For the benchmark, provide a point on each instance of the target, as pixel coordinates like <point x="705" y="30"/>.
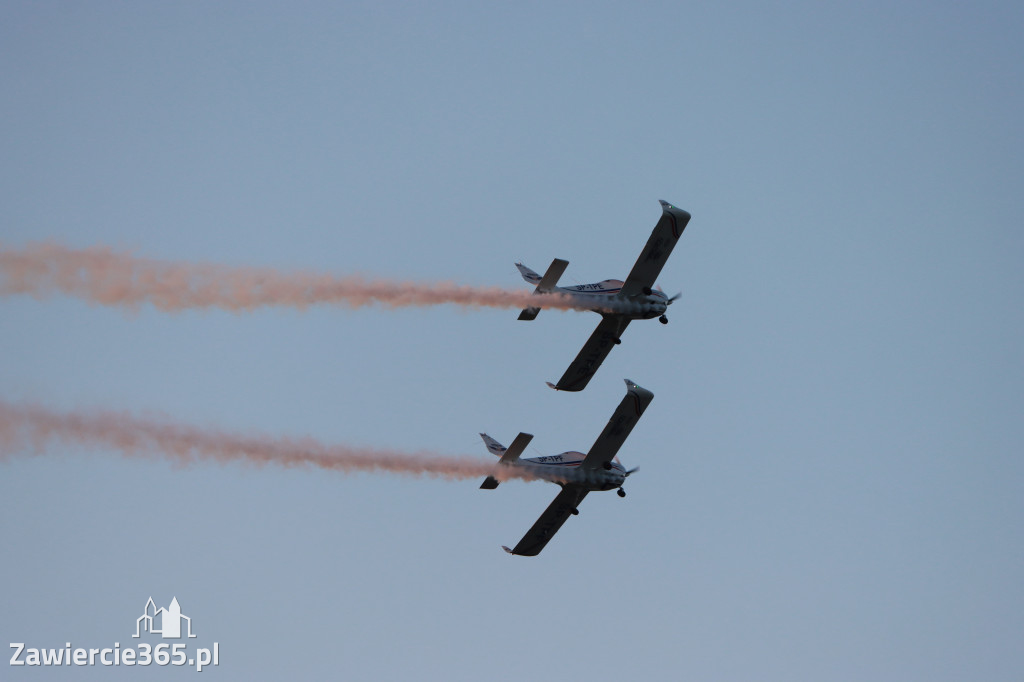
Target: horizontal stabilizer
<point x="550" y="278"/>
<point x="517" y="448"/>
<point x="546" y="285"/>
<point x="506" y="549"/>
<point x="508" y="455"/>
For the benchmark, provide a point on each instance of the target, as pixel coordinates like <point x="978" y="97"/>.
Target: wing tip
<point x="640" y="391"/>
<point x="667" y="207"/>
<point x="573" y="387"/>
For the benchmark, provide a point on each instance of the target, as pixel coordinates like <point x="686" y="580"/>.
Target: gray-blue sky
<point x="830" y="482"/>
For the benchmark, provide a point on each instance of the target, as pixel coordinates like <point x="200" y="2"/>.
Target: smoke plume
<point x="106" y="277"/>
<point x="34" y="429"/>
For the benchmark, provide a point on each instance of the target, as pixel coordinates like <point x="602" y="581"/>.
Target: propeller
<point x="631" y="471"/>
<point x="669" y="302"/>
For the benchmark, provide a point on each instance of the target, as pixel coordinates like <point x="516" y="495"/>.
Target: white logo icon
<point x="169" y="620"/>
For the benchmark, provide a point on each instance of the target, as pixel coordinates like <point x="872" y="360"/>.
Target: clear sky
<point x="831" y="484"/>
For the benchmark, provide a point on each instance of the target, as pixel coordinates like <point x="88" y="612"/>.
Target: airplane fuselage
<point x="606" y="295"/>
<point x="565" y="469"/>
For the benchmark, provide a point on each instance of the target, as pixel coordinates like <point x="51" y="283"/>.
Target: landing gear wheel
<point x="575" y="512"/>
<point x="618" y="341"/>
<point x="621" y="492"/>
<point x="607" y="466"/>
<point x="663" y="319"/>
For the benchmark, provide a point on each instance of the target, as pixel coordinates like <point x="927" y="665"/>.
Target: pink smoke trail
<point x="31" y="428"/>
<point x="101" y="275"/>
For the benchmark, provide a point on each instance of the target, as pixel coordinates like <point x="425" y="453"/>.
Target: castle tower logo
<point x="163" y="622"/>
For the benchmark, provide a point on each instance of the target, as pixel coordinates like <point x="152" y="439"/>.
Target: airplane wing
<point x="593" y="353"/>
<point x="550" y="521"/>
<point x="625" y="417"/>
<point x="652" y="259"/>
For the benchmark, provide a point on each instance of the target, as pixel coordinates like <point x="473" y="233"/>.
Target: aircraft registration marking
<point x="550" y="458"/>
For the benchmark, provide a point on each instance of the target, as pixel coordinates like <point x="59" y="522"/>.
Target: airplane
<point x="578" y="474"/>
<point x="633" y="299"/>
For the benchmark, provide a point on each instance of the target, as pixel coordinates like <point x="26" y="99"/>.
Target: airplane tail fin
<point x="508" y="455"/>
<point x="493" y="446"/>
<point x="544" y="284"/>
<point x="529" y="275"/>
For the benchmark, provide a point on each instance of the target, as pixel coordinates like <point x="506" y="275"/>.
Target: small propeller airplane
<point x="634" y="298"/>
<point x="578" y="474"/>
